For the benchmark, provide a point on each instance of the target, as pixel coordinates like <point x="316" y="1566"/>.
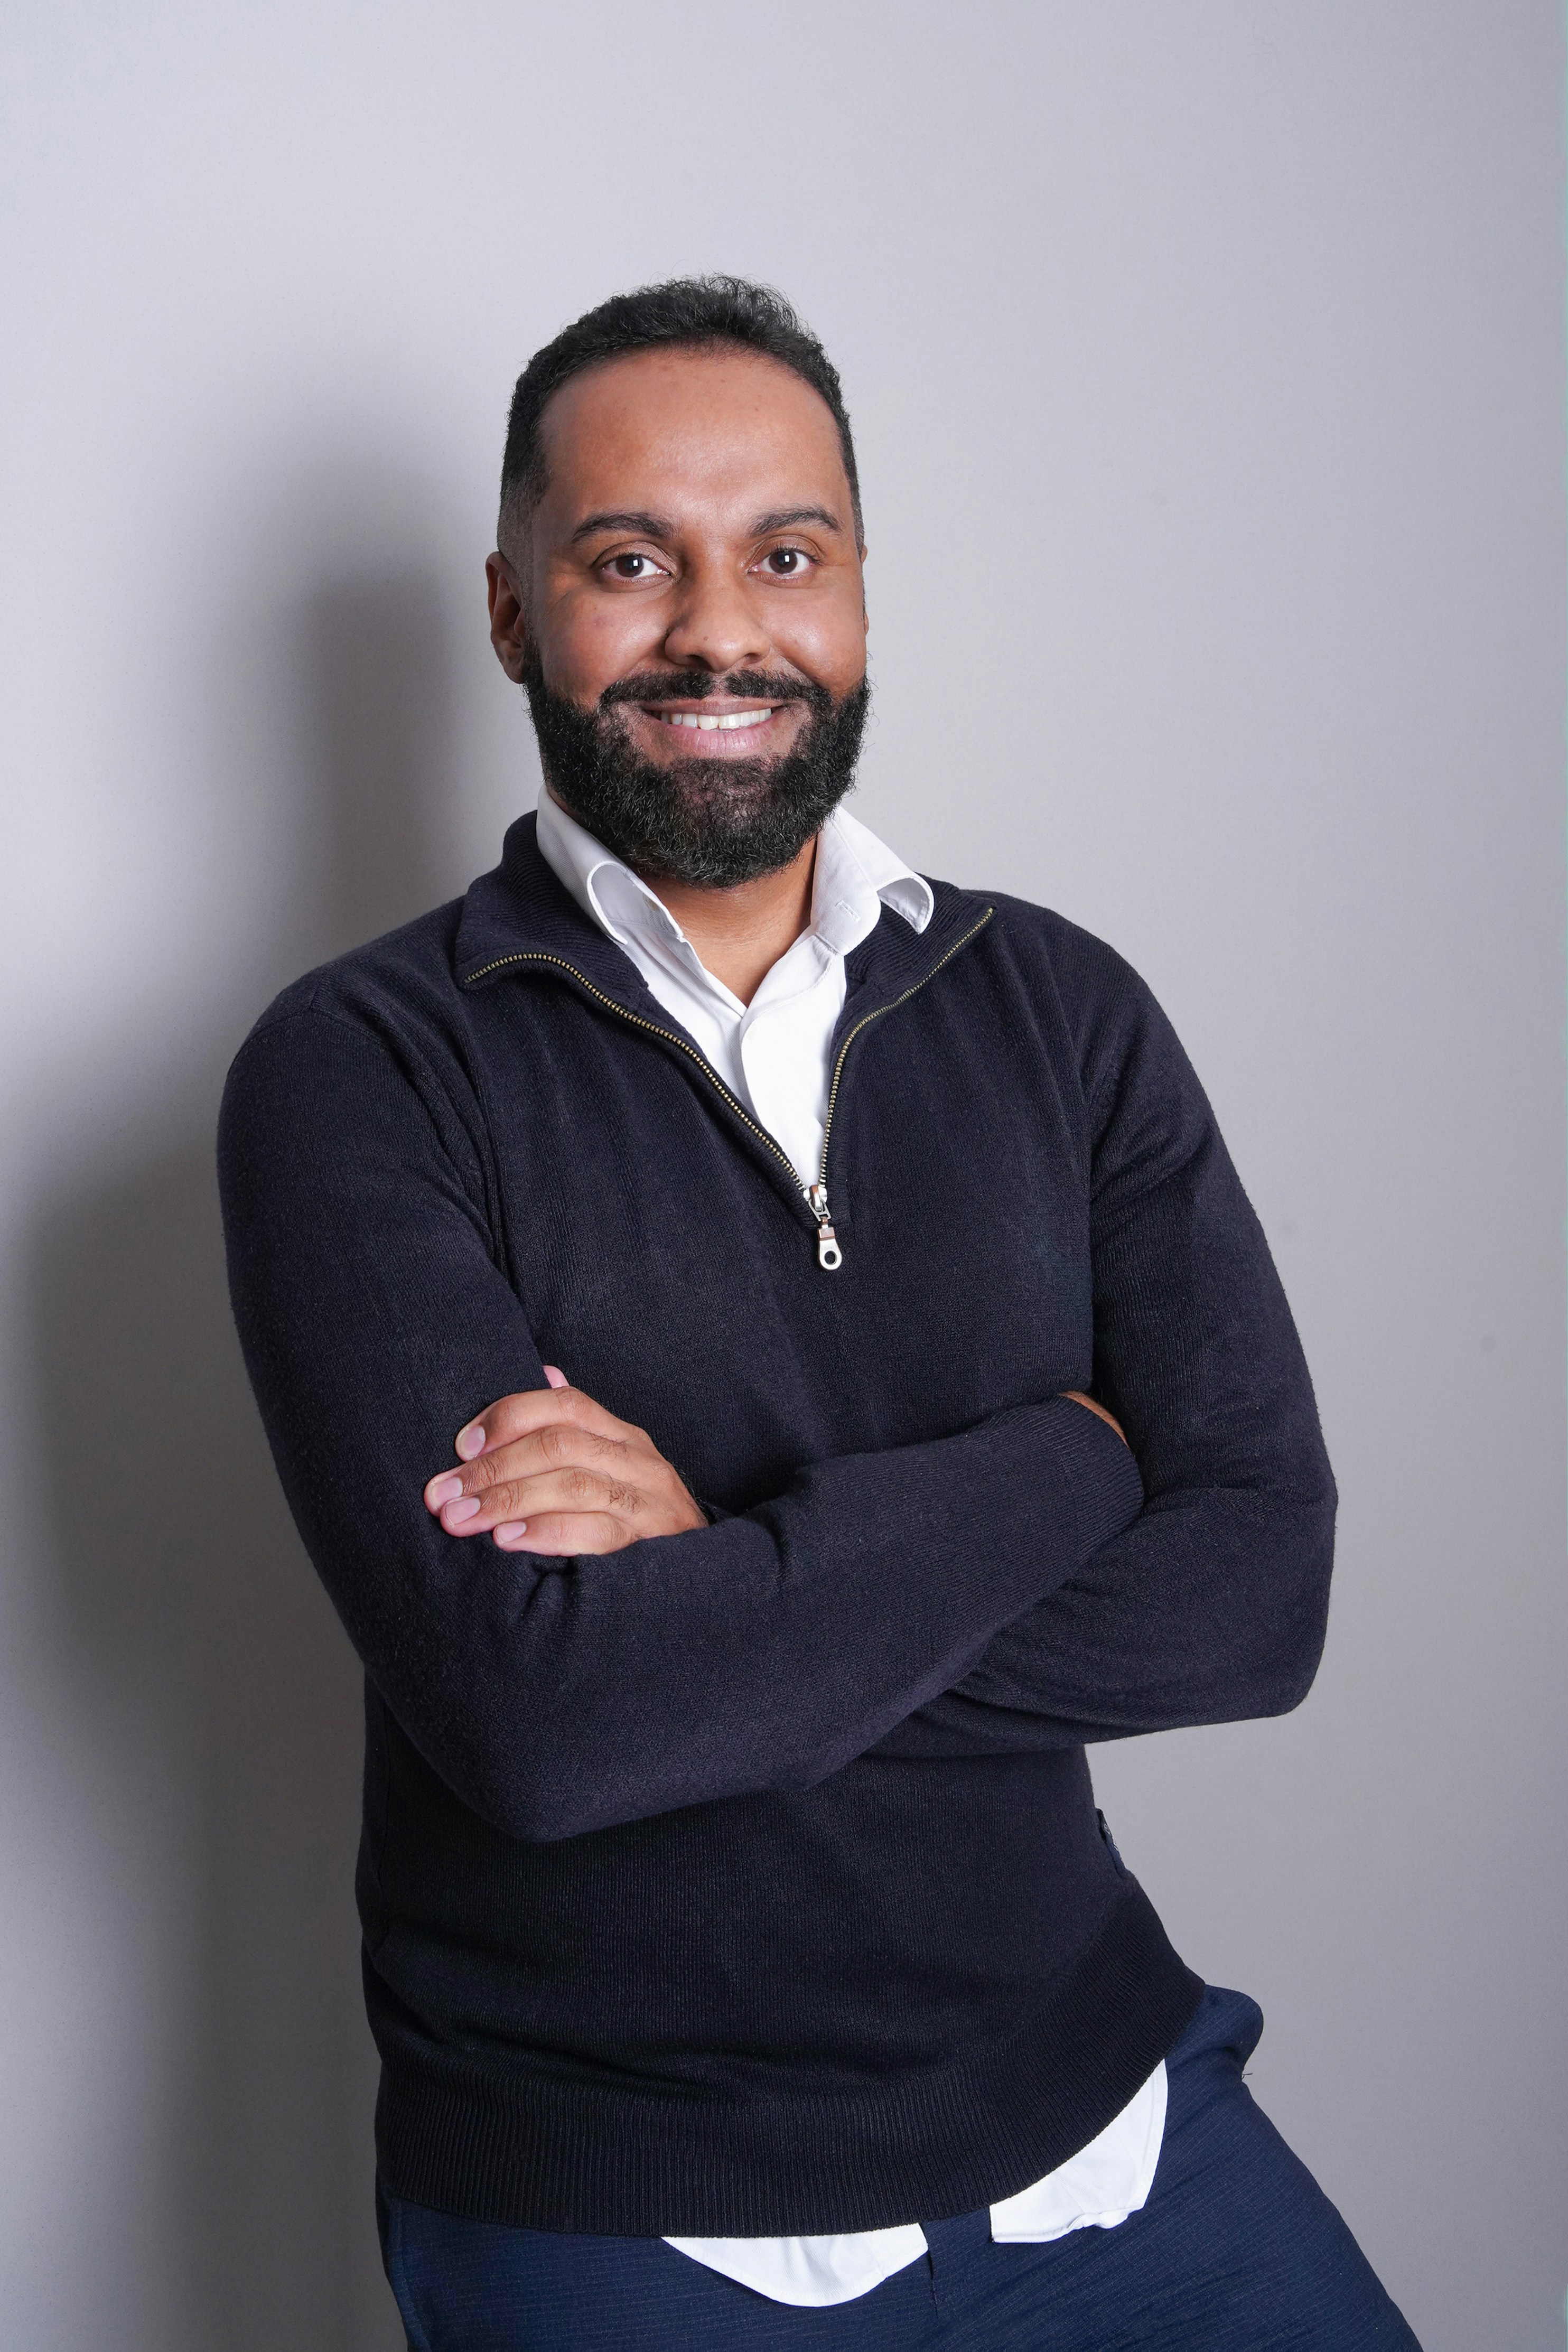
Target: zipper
<point x="670" y="1036"/>
<point x="828" y="1253"/>
<point x="829" y="1256"/>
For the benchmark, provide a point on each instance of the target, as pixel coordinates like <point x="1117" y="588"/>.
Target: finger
<point x="1095" y="1407"/>
<point x="559" y="1446"/>
<point x="558" y="1535"/>
<point x="556" y="1377"/>
<point x="576" y="1487"/>
<point x="513" y="1416"/>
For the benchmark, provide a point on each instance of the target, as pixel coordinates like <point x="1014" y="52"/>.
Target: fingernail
<point x="510" y="1531"/>
<point x="556" y="1377"/>
<point x="454" y="1514"/>
<point x="470" y="1441"/>
<point x="443" y="1490"/>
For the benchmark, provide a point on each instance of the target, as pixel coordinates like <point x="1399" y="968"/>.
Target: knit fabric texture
<point x="749" y="1881"/>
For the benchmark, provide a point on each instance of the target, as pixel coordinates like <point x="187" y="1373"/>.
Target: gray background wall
<point x="1206" y="363"/>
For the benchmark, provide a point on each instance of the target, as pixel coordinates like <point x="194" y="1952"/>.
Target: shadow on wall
<point x="206" y="1662"/>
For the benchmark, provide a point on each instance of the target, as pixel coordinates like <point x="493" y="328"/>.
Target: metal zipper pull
<point x="828" y="1253"/>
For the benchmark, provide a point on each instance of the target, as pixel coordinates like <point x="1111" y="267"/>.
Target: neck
<point x="740" y="933"/>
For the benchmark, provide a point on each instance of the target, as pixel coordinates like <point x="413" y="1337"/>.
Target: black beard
<point x="713" y="822"/>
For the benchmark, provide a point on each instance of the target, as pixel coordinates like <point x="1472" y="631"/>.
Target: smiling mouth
<point x="731" y="722"/>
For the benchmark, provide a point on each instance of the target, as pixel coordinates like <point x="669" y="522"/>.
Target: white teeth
<point x="732" y="720"/>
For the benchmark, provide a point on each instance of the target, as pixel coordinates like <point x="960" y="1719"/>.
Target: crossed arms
<point x="1014" y="1584"/>
<point x="552" y="1472"/>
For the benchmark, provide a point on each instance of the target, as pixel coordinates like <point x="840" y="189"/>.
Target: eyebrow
<point x="645" y="526"/>
<point x="652" y="526"/>
<point x="788" y="517"/>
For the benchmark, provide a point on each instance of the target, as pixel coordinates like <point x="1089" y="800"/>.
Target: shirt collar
<point x="853" y="866"/>
<point x="855" y="871"/>
<point x="618" y="900"/>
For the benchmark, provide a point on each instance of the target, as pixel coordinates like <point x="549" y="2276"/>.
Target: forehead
<point x="665" y="429"/>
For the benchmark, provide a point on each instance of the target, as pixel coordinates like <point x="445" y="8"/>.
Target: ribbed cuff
<point x="1100" y="1472"/>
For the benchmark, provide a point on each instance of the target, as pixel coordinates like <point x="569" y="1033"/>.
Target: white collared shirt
<point x="771" y="1053"/>
<point x="774" y="1054"/>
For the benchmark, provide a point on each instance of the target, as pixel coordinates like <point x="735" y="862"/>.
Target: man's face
<point x="693" y="560"/>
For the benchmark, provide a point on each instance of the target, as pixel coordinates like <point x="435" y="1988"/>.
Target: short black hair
<point x="693" y="313"/>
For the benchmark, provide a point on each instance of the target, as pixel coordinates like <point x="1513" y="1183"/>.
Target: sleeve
<point x="763" y="1652"/>
<point x="1211" y="1606"/>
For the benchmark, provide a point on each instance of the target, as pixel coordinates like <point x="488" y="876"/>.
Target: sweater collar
<point x="519" y="910"/>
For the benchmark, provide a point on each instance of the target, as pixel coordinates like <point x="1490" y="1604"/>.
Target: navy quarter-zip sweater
<point x="748" y="1881"/>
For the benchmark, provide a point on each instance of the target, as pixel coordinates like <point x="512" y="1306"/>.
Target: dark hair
<point x="693" y="313"/>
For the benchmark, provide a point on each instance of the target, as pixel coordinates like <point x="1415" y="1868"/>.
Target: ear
<point x="509" y="629"/>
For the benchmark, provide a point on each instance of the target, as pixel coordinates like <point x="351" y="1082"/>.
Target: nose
<point x="717" y="625"/>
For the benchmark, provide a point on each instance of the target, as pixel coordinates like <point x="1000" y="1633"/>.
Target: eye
<point x="631" y="566"/>
<point x="787" y="563"/>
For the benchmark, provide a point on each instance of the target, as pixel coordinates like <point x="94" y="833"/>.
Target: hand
<point x="550" y="1471"/>
<point x="1079" y="1396"/>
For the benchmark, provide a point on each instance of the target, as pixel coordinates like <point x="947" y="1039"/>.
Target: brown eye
<point x="631" y="566"/>
<point x="788" y="562"/>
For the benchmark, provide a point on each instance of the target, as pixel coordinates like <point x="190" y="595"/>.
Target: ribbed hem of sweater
<point x="507" y="2144"/>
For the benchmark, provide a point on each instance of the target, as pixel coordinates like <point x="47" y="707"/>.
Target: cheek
<point x="587" y="645"/>
<point x="826" y="638"/>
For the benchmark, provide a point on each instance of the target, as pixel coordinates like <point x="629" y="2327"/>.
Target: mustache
<point x="694" y="685"/>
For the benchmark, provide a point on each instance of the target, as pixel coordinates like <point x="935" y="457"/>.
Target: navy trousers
<point x="1237" y="2249"/>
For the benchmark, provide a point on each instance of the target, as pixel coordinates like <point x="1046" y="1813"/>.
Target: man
<point x="748" y="1963"/>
